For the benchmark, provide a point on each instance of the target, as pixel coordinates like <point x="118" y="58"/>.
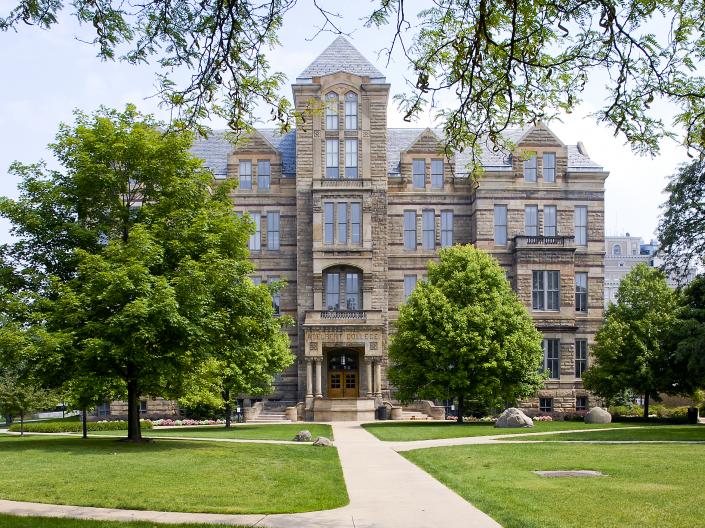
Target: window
<point x="581" y="280"/>
<point x="351" y="158"/>
<point x="273" y="230"/>
<point x="500" y="225"/>
<point x="581" y="403"/>
<point x="332" y="111"/>
<point x="143" y="406"/>
<point x="263" y="175"/>
<point x="581" y="358"/>
<point x="437" y="174"/>
<point x="342" y="223"/>
<point x="409" y="285"/>
<point x="581" y="225"/>
<point x="245" y="175"/>
<point x="256" y="237"/>
<point x="332" y="291"/>
<point x="531" y="220"/>
<point x="429" y="230"/>
<point x="530" y="169"/>
<point x="328" y="222"/>
<point x="617" y="249"/>
<point x="552" y="357"/>
<point x="332" y="159"/>
<point x="549" y="220"/>
<point x="545" y="290"/>
<point x="356" y="222"/>
<point x="418" y="173"/>
<point x="409" y="229"/>
<point x="276" y="296"/>
<point x="352" y="291"/>
<point x="351" y="111"/>
<point x="446" y="228"/>
<point x="546" y="404"/>
<point x="103" y="409"/>
<point x="256" y="281"/>
<point x="549" y="167"/>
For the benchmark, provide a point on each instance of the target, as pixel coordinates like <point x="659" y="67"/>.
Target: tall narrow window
<point x="500" y="225"/>
<point x="352" y="291"/>
<point x="530" y="169"/>
<point x="328" y="222"/>
<point x="418" y="173"/>
<point x="552" y="357"/>
<point x="351" y="158"/>
<point x="549" y="220"/>
<point x="332" y="111"/>
<point x="581" y="280"/>
<point x="356" y="222"/>
<point x="332" y="291"/>
<point x="437" y="174"/>
<point x="581" y="357"/>
<point x="553" y="290"/>
<point x="276" y="296"/>
<point x="531" y="220"/>
<point x="429" y="230"/>
<point x="409" y="285"/>
<point x="446" y="228"/>
<point x="342" y="223"/>
<point x="545" y="290"/>
<point x="549" y="167"/>
<point x="581" y="226"/>
<point x="273" y="230"/>
<point x="263" y="175"/>
<point x="409" y="229"/>
<point x="351" y="111"/>
<point x="332" y="170"/>
<point x="256" y="237"/>
<point x="245" y="175"/>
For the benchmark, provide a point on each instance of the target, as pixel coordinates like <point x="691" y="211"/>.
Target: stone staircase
<point x="414" y="415"/>
<point x="272" y="413"/>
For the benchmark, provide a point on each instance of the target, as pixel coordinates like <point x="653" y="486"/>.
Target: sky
<point x="47" y="74"/>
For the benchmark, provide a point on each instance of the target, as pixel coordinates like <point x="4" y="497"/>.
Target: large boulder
<point x="322" y="441"/>
<point x="513" y="417"/>
<point x="597" y="415"/>
<point x="303" y="436"/>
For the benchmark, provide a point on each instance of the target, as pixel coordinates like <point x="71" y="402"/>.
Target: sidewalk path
<point x="385" y="489"/>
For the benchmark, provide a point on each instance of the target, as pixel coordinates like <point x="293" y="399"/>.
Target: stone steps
<point x="414" y="415"/>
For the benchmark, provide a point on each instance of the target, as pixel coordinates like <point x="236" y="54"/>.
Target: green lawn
<point x="171" y="476"/>
<point x="648" y="485"/>
<point x="9" y="521"/>
<point x="693" y="433"/>
<point x="243" y="432"/>
<point x="408" y="431"/>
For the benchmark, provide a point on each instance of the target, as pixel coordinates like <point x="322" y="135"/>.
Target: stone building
<point x="349" y="212"/>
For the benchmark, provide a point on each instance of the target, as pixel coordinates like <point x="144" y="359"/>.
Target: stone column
<point x="368" y="365"/>
<point x="378" y="378"/>
<point x="309" y="378"/>
<point x="319" y="393"/>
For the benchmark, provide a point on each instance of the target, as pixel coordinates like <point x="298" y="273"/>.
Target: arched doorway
<point x="343" y="373"/>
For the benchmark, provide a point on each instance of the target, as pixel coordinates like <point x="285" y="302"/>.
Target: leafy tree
<point x="503" y="63"/>
<point x="465" y="333"/>
<point x="681" y="230"/>
<point x="631" y="349"/>
<point x="150" y="278"/>
<point x="19" y="397"/>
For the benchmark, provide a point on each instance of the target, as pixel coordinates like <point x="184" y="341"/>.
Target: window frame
<point x="428" y="229"/>
<point x="332" y="159"/>
<point x="581" y="357"/>
<point x="410" y="282"/>
<point x="548" y="171"/>
<point x="545" y="298"/>
<point x="350" y="294"/>
<point x="356" y="222"/>
<point x="273" y="235"/>
<point x="332" y="121"/>
<point x="581" y="292"/>
<point x="497" y="239"/>
<point x="351" y="169"/>
<point x="436" y="176"/>
<point x="332" y="292"/>
<point x="550" y="212"/>
<point x="255" y="241"/>
<point x="351" y="103"/>
<point x="447" y="228"/>
<point x="545" y="404"/>
<point x="418" y="179"/>
<point x="552" y="357"/>
<point x="409" y="231"/>
<point x="264" y="178"/>
<point x="530" y="169"/>
<point x="245" y="178"/>
<point x="581" y="229"/>
<point x="583" y="406"/>
<point x="276" y="296"/>
<point x="329" y="223"/>
<point x="529" y="212"/>
<point x="341" y="222"/>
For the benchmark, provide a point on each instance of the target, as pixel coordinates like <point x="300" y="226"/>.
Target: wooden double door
<point x="343" y="374"/>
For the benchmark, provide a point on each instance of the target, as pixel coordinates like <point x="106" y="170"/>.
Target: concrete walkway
<point x="385" y="489"/>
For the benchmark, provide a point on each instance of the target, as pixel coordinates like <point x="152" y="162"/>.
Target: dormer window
<point x="351" y="111"/>
<point x="530" y="169"/>
<point x="332" y="111"/>
<point x="549" y="167"/>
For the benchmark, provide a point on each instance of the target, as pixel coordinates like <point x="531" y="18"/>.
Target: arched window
<point x="342" y="288"/>
<point x="332" y="111"/>
<point x="351" y="111"/>
<point x="616" y="249"/>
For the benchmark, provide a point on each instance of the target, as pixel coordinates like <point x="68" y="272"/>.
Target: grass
<point x="9" y="521"/>
<point x="647" y="485"/>
<point x="171" y="476"/>
<point x="409" y="431"/>
<point x="241" y="432"/>
<point x="659" y="433"/>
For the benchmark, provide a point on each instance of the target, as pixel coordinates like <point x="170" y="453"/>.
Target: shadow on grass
<point x="78" y="446"/>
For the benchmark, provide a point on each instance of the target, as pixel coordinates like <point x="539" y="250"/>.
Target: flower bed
<point x="72" y="426"/>
<point x="168" y="422"/>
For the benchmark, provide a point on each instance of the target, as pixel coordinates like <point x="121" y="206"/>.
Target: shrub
<point x="169" y="422"/>
<point x="72" y="426"/>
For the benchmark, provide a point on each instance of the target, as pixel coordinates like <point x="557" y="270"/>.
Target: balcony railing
<point x="521" y="241"/>
<point x="343" y="314"/>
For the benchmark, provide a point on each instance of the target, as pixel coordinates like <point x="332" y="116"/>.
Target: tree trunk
<point x="461" y="408"/>
<point x="134" y="432"/>
<point x="228" y="409"/>
<point x="646" y="406"/>
<point x="21" y="424"/>
<point x="84" y="419"/>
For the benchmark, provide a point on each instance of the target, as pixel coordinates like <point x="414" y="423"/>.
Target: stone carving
<point x="322" y="441"/>
<point x="597" y="415"/>
<point x="303" y="436"/>
<point x="373" y="345"/>
<point x="513" y="417"/>
<point x="313" y="345"/>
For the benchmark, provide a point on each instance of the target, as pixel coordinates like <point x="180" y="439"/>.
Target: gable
<point x="255" y="142"/>
<point x="427" y="141"/>
<point x="539" y="136"/>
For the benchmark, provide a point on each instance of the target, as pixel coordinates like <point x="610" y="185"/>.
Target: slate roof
<point x="341" y="56"/>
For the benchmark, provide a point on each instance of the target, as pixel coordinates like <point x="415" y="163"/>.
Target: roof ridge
<point x="341" y="56"/>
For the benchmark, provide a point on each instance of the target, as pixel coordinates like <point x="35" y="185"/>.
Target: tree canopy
<point x="503" y="63"/>
<point x="464" y="334"/>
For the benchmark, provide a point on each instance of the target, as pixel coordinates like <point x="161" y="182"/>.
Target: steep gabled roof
<point x="341" y="56"/>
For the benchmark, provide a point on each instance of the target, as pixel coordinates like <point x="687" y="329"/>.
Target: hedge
<point x="66" y="426"/>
